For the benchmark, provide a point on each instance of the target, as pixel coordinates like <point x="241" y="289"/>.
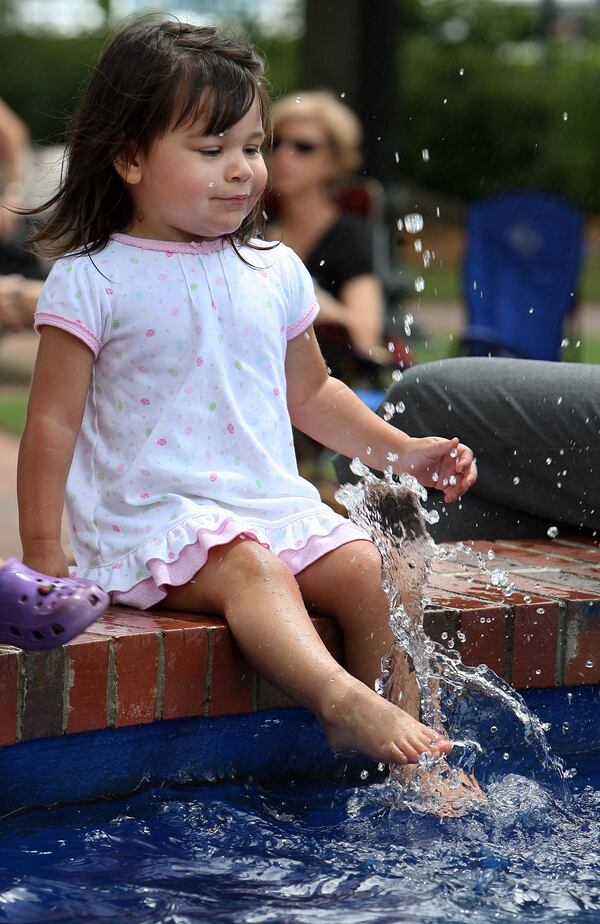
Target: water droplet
<point x="418" y="245"/>
<point x="400" y="407"/>
<point x="491" y="554"/>
<point x="321" y="262"/>
<point x="552" y="532"/>
<point x="589" y="664"/>
<point x="559" y="400"/>
<point x="306" y="335"/>
<point x="444" y="635"/>
<point x="565" y="116"/>
<point x="425" y="154"/>
<point x="548" y="461"/>
<point x="564" y="343"/>
<point x="364" y="774"/>
<point x="527" y="598"/>
<point x="540" y="610"/>
<point x="493" y="729"/>
<point x="391" y="456"/>
<point x="397" y="375"/>
<point x="388" y="410"/>
<point x="516" y="479"/>
<point x="453" y="453"/>
<point x="461" y="71"/>
<point x="531" y="311"/>
<point x="565" y="726"/>
<point x="413" y="223"/>
<point x="506" y="756"/>
<point x="397" y="156"/>
<point x="298" y="99"/>
<point x="452" y="480"/>
<point x="537" y="672"/>
<point x="380" y="767"/>
<point x="435" y="477"/>
<point x="419" y="284"/>
<point x="343" y="95"/>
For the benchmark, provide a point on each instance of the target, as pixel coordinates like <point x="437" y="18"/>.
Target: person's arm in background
<point x="14" y="140"/>
<point x="359" y="310"/>
<point x="18" y="300"/>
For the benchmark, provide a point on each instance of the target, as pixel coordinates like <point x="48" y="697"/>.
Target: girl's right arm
<point x="56" y="404"/>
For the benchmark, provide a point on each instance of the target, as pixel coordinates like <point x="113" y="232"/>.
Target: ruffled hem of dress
<point x="174" y="558"/>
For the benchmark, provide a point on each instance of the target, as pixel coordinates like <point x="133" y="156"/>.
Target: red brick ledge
<point x="133" y="667"/>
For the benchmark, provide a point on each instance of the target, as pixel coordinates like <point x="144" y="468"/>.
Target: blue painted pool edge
<point x="275" y="743"/>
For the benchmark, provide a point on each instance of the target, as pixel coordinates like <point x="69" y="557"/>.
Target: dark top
<point x="344" y="251"/>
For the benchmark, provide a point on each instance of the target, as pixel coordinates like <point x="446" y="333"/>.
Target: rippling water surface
<point x="335" y="852"/>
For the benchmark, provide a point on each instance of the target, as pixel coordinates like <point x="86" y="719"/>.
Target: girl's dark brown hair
<point x="151" y="77"/>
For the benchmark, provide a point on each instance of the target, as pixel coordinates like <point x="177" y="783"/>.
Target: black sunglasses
<point x="300" y="147"/>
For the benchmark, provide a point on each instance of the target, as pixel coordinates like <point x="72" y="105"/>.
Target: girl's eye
<point x="209" y="152"/>
<point x="253" y="149"/>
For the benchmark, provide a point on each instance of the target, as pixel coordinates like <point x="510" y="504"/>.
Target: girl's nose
<point x="239" y="168"/>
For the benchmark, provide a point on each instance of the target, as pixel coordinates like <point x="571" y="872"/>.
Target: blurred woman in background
<point x="316" y="149"/>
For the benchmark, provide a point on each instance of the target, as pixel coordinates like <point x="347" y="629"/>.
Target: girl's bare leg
<point x="346" y="584"/>
<point x="262" y="604"/>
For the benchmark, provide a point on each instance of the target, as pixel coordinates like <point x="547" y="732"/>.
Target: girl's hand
<point x="439" y="463"/>
<point x="46" y="556"/>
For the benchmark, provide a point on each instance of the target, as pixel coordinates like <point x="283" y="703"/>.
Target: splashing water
<point x="391" y="511"/>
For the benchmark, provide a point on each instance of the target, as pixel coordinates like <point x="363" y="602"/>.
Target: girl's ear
<point x="129" y="166"/>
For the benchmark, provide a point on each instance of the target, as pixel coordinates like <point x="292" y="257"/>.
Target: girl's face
<point x="302" y="157"/>
<point x="191" y="186"/>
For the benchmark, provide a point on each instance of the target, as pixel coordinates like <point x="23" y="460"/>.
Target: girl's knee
<point x="361" y="574"/>
<point x="245" y="560"/>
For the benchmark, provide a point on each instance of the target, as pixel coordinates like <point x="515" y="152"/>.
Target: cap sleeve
<point x="75" y="297"/>
<point x="302" y="304"/>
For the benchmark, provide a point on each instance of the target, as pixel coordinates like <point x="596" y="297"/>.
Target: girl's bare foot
<point x="355" y="718"/>
<point x="439" y="790"/>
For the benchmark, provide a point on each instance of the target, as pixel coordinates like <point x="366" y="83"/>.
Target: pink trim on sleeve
<point x="79" y="330"/>
<point x="298" y="326"/>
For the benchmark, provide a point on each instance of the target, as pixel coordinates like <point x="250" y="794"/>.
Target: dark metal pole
<point x="350" y="47"/>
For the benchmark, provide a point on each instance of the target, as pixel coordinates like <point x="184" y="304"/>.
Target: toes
<point x="397" y="755"/>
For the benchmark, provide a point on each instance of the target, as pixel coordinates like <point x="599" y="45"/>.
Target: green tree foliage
<point x="41" y="77"/>
<point x="503" y="106"/>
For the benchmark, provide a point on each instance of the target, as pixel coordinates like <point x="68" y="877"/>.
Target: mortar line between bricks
<point x="561" y="643"/>
<point x="160" y="675"/>
<point x="111" y="686"/>
<point x="209" y="669"/>
<point x="255" y="684"/>
<point x="509" y="633"/>
<point x="20" y="697"/>
<point x="67" y="684"/>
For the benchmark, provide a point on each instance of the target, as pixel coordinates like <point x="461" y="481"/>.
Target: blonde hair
<point x="337" y="120"/>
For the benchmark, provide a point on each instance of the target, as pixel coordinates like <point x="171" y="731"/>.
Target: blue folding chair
<point x="520" y="274"/>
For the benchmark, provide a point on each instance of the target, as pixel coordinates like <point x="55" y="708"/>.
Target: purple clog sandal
<point x="37" y="611"/>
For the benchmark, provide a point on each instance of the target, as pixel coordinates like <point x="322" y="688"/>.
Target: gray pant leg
<point x="515" y="415"/>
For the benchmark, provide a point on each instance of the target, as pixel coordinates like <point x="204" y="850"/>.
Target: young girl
<point x="176" y="351"/>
